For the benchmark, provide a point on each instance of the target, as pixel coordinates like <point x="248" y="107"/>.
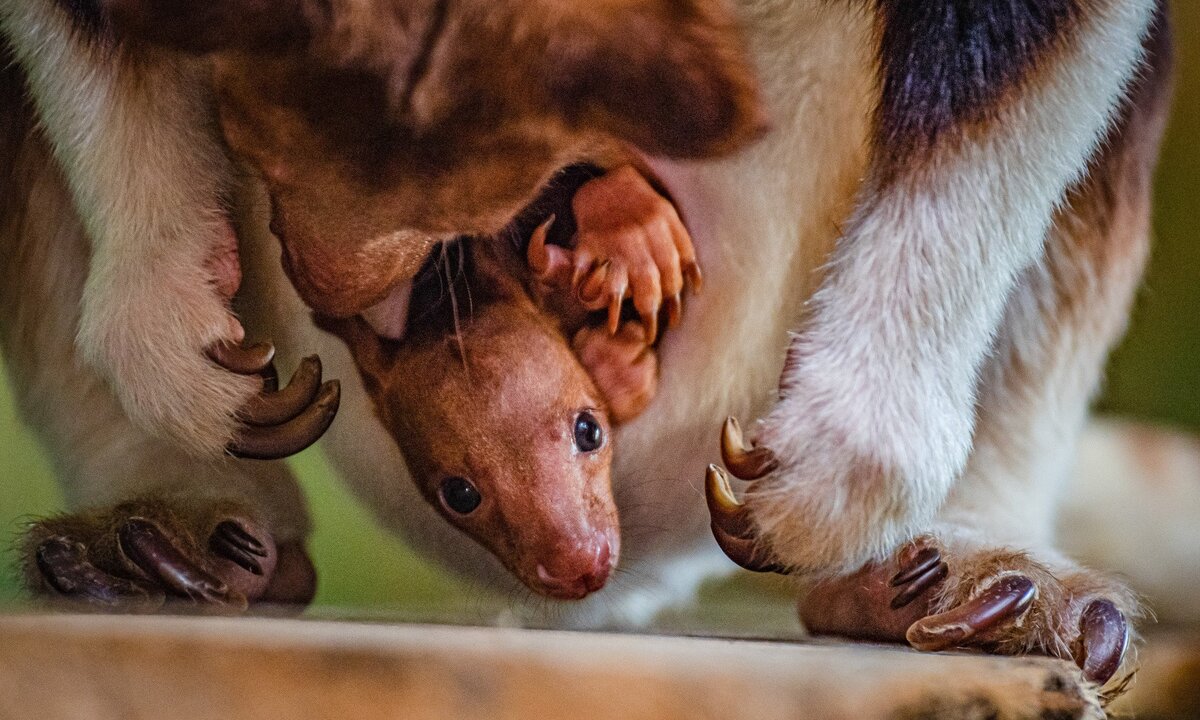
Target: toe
<point x="65" y="567"/>
<point x="153" y="552"/>
<point x="1003" y="602"/>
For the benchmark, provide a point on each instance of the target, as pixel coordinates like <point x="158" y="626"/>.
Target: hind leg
<point x="988" y="575"/>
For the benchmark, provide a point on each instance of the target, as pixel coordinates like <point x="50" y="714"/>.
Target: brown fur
<point x="495" y="401"/>
<point x="389" y="116"/>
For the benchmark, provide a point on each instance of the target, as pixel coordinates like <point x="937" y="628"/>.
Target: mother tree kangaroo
<point x="936" y="244"/>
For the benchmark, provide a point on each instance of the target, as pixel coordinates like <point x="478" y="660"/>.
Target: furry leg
<point x="878" y="397"/>
<point x="146" y="172"/>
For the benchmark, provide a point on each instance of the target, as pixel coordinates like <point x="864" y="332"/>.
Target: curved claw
<point x="549" y="263"/>
<point x="591" y="287"/>
<point x="691" y="271"/>
<point x="1103" y="639"/>
<point x="920" y="580"/>
<point x="674" y="305"/>
<point x="280" y="441"/>
<point x="1003" y="602"/>
<point x="732" y="527"/>
<point x="276" y="408"/>
<point x="746" y="463"/>
<point x="149" y="548"/>
<point x="232" y="542"/>
<point x="250" y="360"/>
<point x="65" y="567"/>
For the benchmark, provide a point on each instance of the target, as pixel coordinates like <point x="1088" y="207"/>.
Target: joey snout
<point x="573" y="568"/>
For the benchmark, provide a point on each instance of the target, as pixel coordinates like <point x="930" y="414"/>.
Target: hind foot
<point x="938" y="596"/>
<point x="142" y="555"/>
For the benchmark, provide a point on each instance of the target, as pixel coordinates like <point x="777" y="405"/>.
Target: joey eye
<point x="460" y="495"/>
<point x="589" y="436"/>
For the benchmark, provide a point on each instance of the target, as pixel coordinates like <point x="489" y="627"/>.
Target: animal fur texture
<point x="913" y="280"/>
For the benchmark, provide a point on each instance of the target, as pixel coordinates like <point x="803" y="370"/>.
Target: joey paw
<point x="630" y="243"/>
<point x="623" y="366"/>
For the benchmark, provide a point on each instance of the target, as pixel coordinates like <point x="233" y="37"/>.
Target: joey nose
<point x="573" y="575"/>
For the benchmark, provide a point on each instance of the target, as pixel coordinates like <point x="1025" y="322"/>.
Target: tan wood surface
<point x="162" y="668"/>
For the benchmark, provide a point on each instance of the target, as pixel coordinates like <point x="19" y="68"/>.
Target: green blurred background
<point x="1154" y="375"/>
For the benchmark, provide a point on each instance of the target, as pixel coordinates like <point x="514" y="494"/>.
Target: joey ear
<point x="671" y="77"/>
<point x="208" y="25"/>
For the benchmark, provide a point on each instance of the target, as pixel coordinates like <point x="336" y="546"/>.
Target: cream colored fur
<point x="146" y="171"/>
<point x="99" y="455"/>
<point x="877" y="423"/>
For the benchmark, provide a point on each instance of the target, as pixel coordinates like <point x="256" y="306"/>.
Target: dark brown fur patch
<point x="948" y="63"/>
<point x="201" y="26"/>
<point x="87" y="15"/>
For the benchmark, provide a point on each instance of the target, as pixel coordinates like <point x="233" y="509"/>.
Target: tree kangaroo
<point x="914" y="276"/>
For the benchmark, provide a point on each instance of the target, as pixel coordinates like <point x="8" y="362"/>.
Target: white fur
<point x="99" y="455"/>
<point x="137" y="141"/>
<point x="877" y="421"/>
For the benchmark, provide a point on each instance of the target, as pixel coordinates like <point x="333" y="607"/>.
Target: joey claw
<point x="614" y="310"/>
<point x="649" y="314"/>
<point x="235" y="358"/>
<point x="674" y="306"/>
<point x="1103" y="640"/>
<point x="549" y="263"/>
<point x="746" y="463"/>
<point x="1003" y="602"/>
<point x="591" y="288"/>
<point x="732" y="527"/>
<point x="280" y="441"/>
<point x="276" y="408"/>
<point x="695" y="279"/>
<point x="153" y="552"/>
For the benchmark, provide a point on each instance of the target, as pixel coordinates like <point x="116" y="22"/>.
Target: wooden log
<point x="162" y="668"/>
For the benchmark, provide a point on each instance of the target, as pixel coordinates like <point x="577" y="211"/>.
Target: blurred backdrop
<point x="1155" y="375"/>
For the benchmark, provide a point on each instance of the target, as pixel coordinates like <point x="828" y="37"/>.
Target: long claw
<point x="1003" y="602"/>
<point x="614" y="311"/>
<point x="537" y="255"/>
<point x="921" y="561"/>
<point x="250" y="360"/>
<point x="280" y="441"/>
<point x="148" y="547"/>
<point x="746" y="463"/>
<point x="695" y="278"/>
<point x="731" y="525"/>
<point x="233" y="543"/>
<point x="65" y="567"/>
<point x="674" y="305"/>
<point x="650" y="320"/>
<point x="918" y="585"/>
<point x="1103" y="639"/>
<point x="278" y="407"/>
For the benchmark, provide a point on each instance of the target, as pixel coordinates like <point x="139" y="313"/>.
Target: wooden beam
<point x="162" y="668"/>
